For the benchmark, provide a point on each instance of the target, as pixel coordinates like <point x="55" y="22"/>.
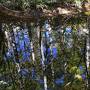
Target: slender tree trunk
<point x="43" y="60"/>
<point x="1" y="41"/>
<point x="33" y="55"/>
<point x="88" y="52"/>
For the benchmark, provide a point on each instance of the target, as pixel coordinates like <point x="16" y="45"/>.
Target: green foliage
<point x="67" y="62"/>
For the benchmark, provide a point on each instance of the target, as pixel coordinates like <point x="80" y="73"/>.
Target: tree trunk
<point x="43" y="60"/>
<point x="88" y="53"/>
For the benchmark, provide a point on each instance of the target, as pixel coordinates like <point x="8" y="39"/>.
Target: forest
<point x="44" y="44"/>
